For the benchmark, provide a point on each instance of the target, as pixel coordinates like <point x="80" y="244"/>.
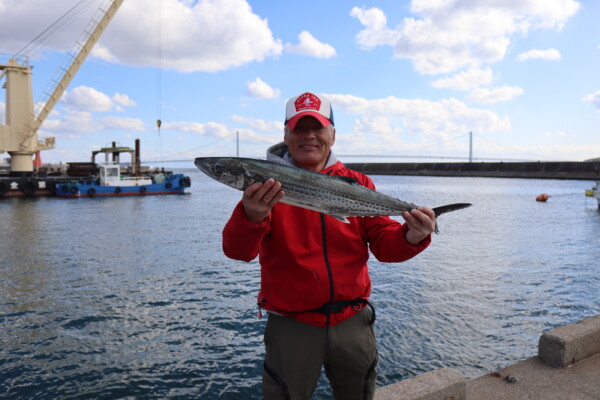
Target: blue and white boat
<point x="109" y="182"/>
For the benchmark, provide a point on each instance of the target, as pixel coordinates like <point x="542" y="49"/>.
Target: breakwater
<point x="566" y="367"/>
<point x="578" y="170"/>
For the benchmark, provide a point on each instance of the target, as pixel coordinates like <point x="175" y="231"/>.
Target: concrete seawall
<point x="567" y="367"/>
<point x="580" y="170"/>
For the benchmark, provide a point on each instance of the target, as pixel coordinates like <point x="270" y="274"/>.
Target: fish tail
<point x="447" y="208"/>
<point x="450" y="207"/>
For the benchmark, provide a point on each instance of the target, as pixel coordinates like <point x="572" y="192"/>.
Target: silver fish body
<point x="338" y="196"/>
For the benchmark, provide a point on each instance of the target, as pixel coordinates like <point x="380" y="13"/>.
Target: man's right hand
<point x="259" y="198"/>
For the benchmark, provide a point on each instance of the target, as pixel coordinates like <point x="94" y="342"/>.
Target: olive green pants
<point x="296" y="352"/>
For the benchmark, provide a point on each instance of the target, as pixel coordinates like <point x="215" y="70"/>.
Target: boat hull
<point x="175" y="184"/>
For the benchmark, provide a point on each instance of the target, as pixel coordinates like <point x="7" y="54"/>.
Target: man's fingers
<point x="271" y="188"/>
<point x="420" y="217"/>
<point x="427" y="211"/>
<point x="277" y="197"/>
<point x="264" y="192"/>
<point x="407" y="216"/>
<point x="252" y="189"/>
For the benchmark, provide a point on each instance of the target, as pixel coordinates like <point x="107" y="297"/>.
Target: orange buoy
<point x="542" y="197"/>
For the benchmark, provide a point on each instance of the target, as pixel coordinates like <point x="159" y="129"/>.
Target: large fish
<point x="338" y="196"/>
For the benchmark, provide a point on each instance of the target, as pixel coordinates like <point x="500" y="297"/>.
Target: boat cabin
<point x="110" y="175"/>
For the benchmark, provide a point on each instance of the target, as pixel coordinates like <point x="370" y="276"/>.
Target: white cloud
<point x="222" y="131"/>
<point x="249" y="136"/>
<point x="72" y="122"/>
<point x="553" y="134"/>
<point x="466" y="80"/>
<point x="445" y="36"/>
<point x="310" y="46"/>
<point x="260" y="89"/>
<point x="86" y="98"/>
<point x="123" y="100"/>
<point x="418" y="116"/>
<point x="77" y="114"/>
<point x="78" y="122"/>
<point x="593" y="99"/>
<point x="259" y="124"/>
<point x="380" y="124"/>
<point x="377" y="33"/>
<point x="122" y="123"/>
<point x="195" y="36"/>
<point x="206" y="36"/>
<point x="208" y="129"/>
<point x="549" y="55"/>
<point x="494" y="95"/>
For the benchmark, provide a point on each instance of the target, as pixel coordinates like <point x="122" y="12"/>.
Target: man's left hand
<point x="421" y="223"/>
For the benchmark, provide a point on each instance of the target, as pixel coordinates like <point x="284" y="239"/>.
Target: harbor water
<point x="132" y="298"/>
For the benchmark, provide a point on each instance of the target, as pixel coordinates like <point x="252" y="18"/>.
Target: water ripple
<point x="135" y="299"/>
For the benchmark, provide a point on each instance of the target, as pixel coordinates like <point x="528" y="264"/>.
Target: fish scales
<point x="337" y="196"/>
<point x="336" y="199"/>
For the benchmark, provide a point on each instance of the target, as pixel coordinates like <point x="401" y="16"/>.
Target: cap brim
<point x="291" y="123"/>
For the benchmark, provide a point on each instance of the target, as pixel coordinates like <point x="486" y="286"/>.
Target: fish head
<point x="225" y="170"/>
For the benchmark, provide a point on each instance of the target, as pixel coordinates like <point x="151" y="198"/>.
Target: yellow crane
<point x="18" y="136"/>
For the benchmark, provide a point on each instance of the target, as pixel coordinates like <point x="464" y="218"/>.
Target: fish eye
<point x="217" y="168"/>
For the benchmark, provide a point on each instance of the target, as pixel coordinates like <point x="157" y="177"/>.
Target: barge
<point x="91" y="179"/>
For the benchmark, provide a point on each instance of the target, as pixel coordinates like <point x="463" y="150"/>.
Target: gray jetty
<point x="567" y="367"/>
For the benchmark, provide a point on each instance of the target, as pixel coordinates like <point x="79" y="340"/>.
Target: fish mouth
<point x="205" y="165"/>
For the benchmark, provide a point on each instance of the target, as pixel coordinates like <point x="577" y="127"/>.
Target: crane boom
<point x="76" y="62"/>
<point x="18" y="136"/>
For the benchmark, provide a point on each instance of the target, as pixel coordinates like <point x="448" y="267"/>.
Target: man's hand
<point x="259" y="198"/>
<point x="421" y="222"/>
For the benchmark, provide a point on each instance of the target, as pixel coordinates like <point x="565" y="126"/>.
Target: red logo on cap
<point x="307" y="101"/>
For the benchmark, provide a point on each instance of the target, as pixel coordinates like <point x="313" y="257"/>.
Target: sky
<point x="408" y="80"/>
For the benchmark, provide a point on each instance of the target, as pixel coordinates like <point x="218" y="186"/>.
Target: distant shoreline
<point x="575" y="170"/>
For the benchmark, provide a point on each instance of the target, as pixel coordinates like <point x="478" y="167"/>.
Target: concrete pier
<point x="580" y="170"/>
<point x="567" y="367"/>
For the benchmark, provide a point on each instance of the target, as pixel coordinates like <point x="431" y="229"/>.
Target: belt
<point x="334" y="307"/>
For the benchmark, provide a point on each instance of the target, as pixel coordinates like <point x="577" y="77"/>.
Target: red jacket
<point x="308" y="259"/>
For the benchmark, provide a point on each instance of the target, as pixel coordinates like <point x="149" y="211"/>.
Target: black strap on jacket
<point x="339" y="306"/>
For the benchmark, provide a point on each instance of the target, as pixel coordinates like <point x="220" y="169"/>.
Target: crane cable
<point x="159" y="81"/>
<point x="50" y="32"/>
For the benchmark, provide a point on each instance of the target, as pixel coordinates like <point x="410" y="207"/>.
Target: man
<point x="315" y="282"/>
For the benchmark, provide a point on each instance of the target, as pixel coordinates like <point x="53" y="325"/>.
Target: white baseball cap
<point x="308" y="104"/>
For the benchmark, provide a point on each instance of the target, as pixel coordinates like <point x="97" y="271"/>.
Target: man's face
<point x="309" y="143"/>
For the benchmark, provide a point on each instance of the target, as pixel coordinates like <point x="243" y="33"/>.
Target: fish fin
<point x="340" y="218"/>
<point x="447" y="208"/>
<point x="450" y="207"/>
